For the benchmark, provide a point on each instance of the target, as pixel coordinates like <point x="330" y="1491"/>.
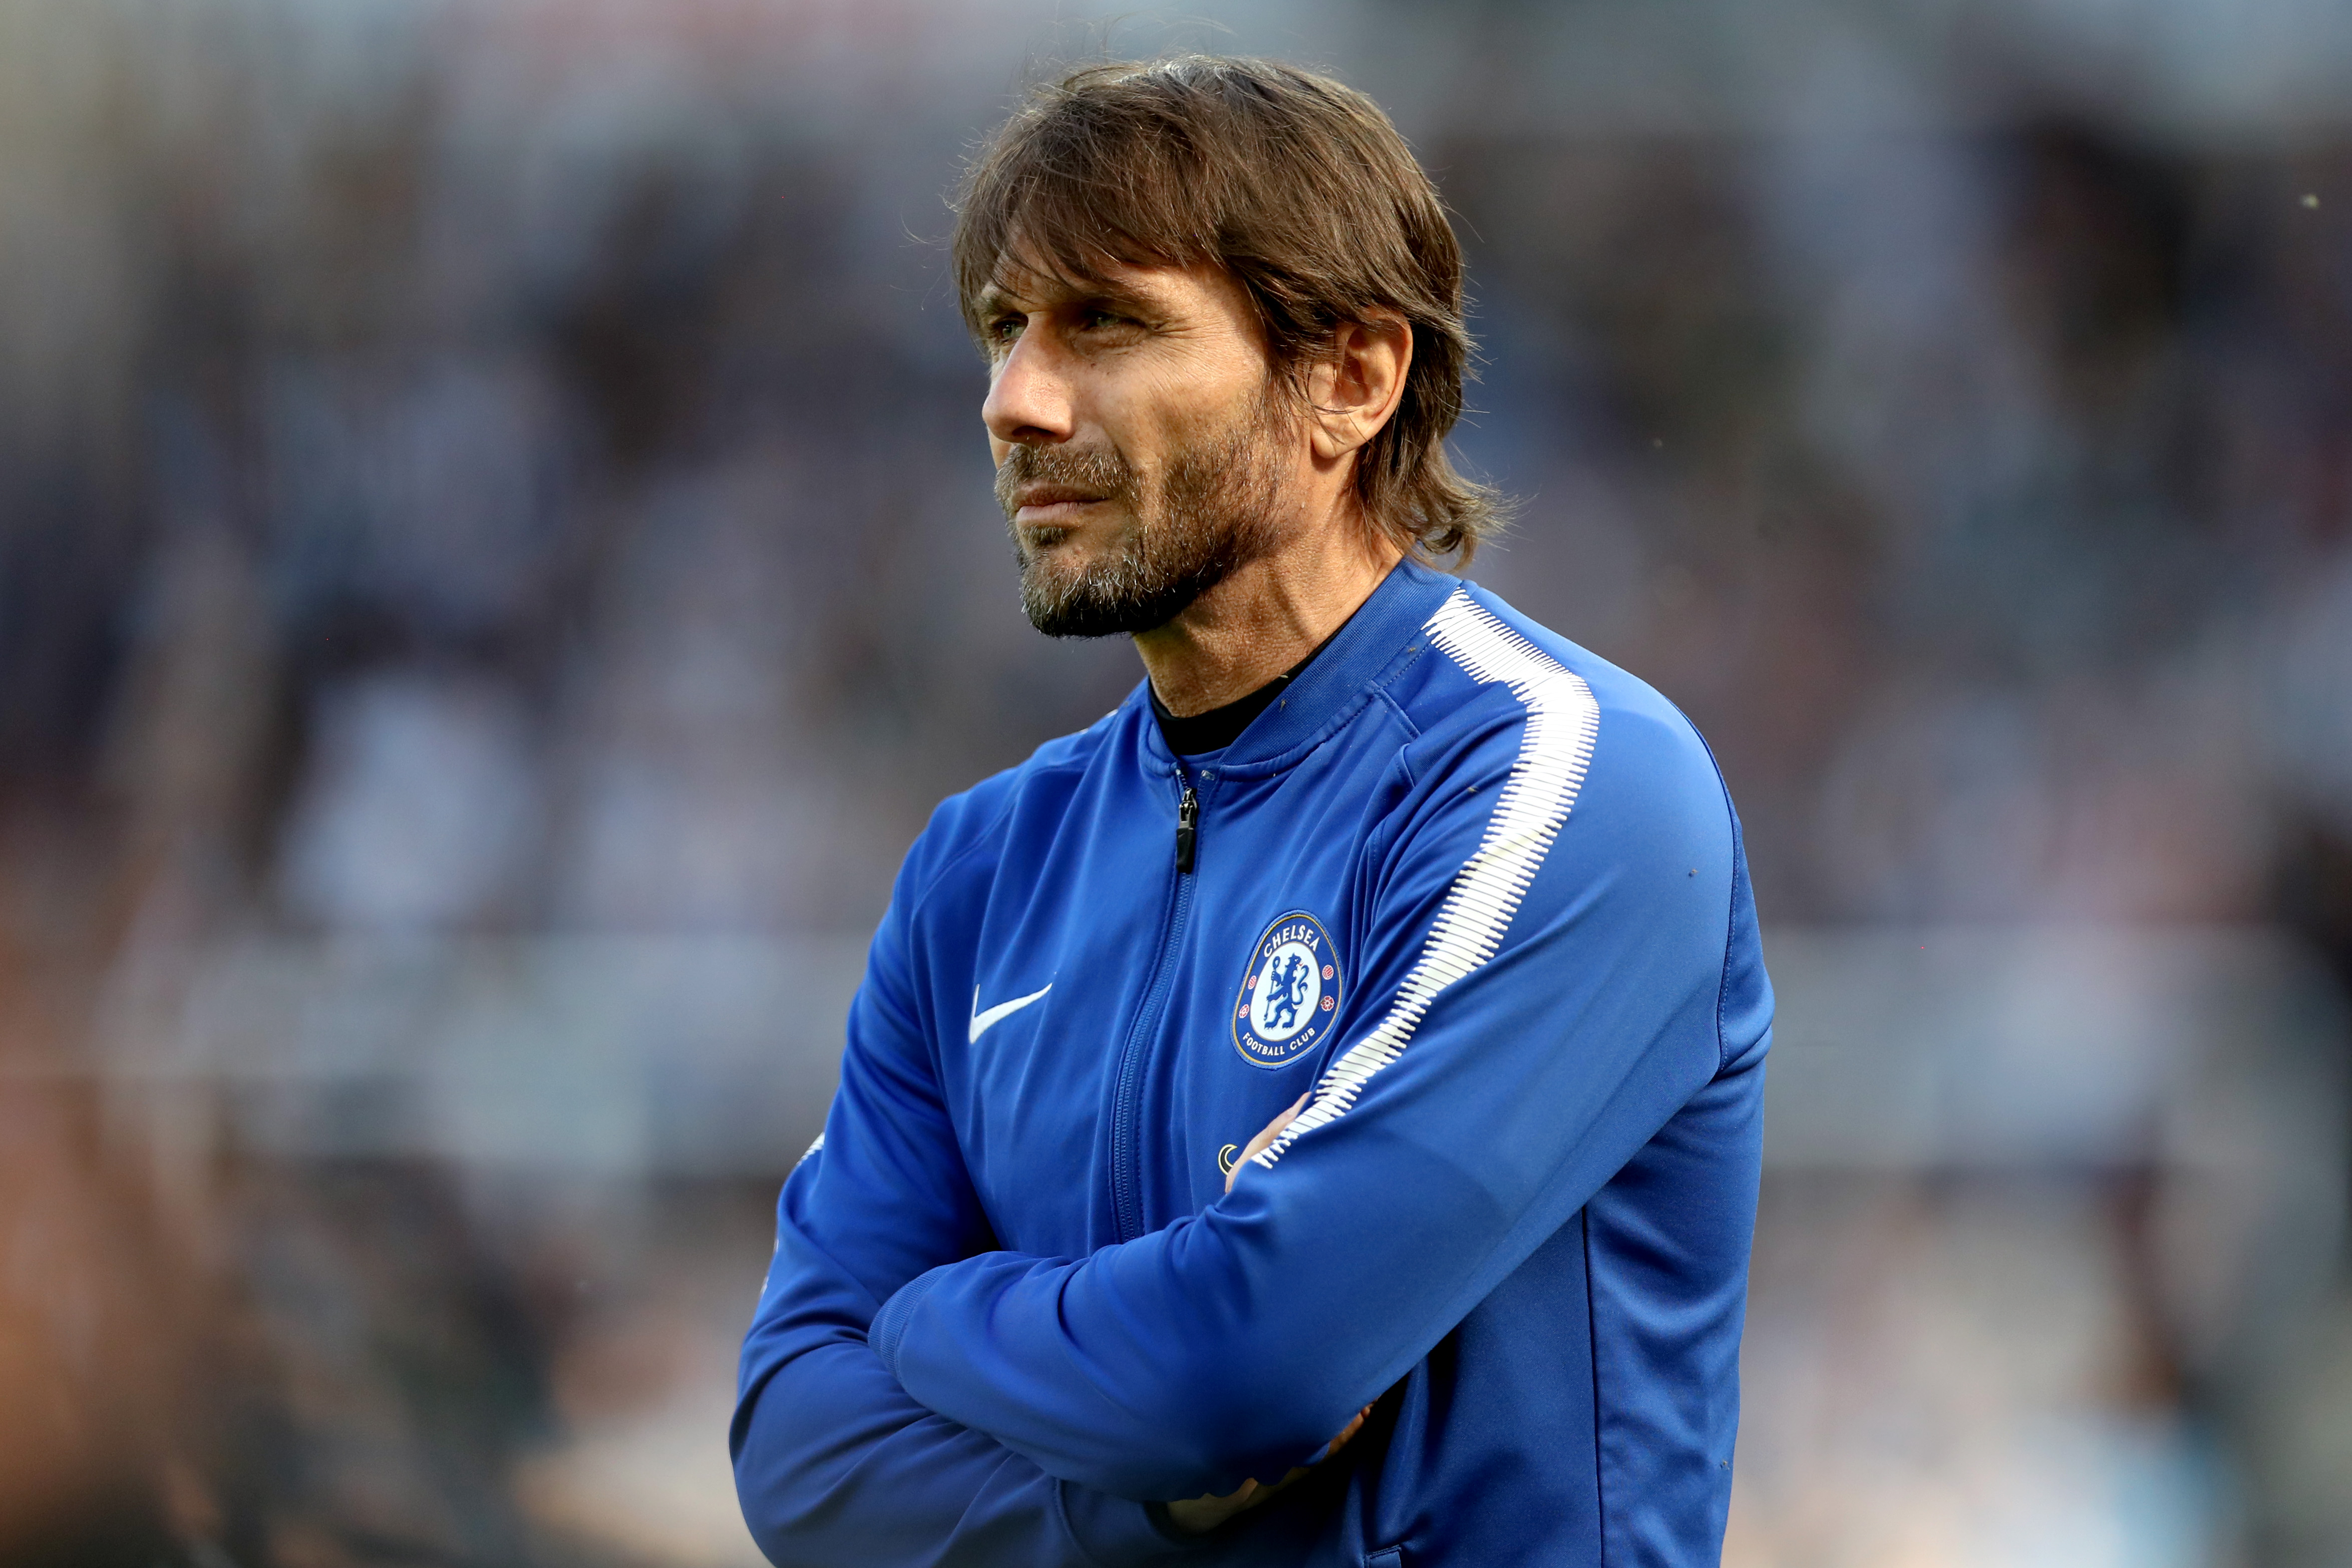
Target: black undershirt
<point x="1221" y="727"/>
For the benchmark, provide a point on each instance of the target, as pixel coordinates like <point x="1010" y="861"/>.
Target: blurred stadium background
<point x="496" y="561"/>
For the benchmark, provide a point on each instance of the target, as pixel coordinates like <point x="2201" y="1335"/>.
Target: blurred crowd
<point x="496" y="563"/>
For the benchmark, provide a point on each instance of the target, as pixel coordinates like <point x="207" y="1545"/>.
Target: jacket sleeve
<point x="834" y="1464"/>
<point x="1540" y="994"/>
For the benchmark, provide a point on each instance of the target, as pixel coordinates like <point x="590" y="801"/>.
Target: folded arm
<point x="833" y="1462"/>
<point x="1517" y="1048"/>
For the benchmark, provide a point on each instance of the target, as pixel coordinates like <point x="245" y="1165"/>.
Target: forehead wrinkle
<point x="1083" y="265"/>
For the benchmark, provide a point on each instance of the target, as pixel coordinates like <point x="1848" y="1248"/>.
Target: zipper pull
<point x="1188" y="829"/>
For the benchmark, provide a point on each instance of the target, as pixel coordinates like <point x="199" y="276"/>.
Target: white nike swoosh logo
<point x="981" y="1022"/>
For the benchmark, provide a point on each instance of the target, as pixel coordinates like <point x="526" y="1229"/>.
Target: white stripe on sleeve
<point x="1554" y="748"/>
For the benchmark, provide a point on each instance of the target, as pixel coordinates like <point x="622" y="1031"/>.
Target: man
<point x="1449" y="913"/>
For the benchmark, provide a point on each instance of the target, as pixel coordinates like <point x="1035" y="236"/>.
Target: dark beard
<point x="1213" y="513"/>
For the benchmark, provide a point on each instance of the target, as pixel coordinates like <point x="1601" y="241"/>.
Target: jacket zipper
<point x="1127" y="1201"/>
<point x="1188" y="824"/>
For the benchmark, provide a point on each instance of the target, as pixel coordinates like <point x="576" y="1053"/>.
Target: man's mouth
<point x="1052" y="505"/>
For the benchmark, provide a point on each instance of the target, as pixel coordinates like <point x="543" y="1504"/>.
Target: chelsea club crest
<point x="1291" y="995"/>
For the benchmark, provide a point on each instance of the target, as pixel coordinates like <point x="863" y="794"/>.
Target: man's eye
<point x="1004" y="328"/>
<point x="1094" y="318"/>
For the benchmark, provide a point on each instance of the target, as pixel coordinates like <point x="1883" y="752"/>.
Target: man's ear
<point x="1354" y="389"/>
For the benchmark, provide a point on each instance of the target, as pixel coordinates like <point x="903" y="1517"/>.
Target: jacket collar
<point x="1384" y="635"/>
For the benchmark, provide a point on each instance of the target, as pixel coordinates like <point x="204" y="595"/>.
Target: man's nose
<point x="1028" y="399"/>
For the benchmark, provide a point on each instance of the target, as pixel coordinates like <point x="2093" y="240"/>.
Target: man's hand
<point x="1197" y="1514"/>
<point x="1265" y="1137"/>
<point x="1200" y="1514"/>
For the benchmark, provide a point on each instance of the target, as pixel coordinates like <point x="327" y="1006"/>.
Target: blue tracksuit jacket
<point x="1481" y="892"/>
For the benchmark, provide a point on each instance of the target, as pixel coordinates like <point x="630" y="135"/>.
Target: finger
<point x="1347" y="1431"/>
<point x="1267" y="1493"/>
<point x="1250" y="1498"/>
<point x="1265" y="1136"/>
<point x="1303" y="1471"/>
<point x="1201" y="1514"/>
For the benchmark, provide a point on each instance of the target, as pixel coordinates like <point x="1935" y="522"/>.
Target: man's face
<point x="1142" y="449"/>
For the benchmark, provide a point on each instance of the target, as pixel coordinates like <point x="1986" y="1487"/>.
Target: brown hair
<point x="1296" y="184"/>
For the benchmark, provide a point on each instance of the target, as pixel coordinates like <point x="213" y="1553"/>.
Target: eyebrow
<point x="997" y="297"/>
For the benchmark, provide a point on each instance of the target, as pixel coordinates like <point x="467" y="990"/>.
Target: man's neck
<point x="1264" y="617"/>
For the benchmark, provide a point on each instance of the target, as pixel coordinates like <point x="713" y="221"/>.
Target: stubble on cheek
<point x="1160" y="537"/>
